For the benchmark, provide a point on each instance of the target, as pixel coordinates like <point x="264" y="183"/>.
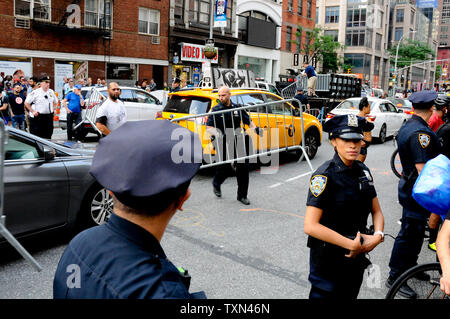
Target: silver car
<point x="139" y="104"/>
<point x="48" y="186"/>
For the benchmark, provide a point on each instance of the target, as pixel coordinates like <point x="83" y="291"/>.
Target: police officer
<point x="417" y="144"/>
<point x="175" y="85"/>
<point x="123" y="258"/>
<point x="340" y="199"/>
<point x="40" y="104"/>
<point x="227" y="133"/>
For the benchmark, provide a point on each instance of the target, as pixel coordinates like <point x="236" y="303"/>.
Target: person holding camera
<point x="218" y="126"/>
<point x="341" y="197"/>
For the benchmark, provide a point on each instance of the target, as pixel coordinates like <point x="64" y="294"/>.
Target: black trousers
<point x="72" y="120"/>
<point x="236" y="145"/>
<point x="42" y="125"/>
<point x="407" y="246"/>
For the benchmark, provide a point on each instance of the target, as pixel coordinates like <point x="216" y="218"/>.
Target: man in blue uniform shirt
<point x="123" y="258"/>
<point x="417" y="144"/>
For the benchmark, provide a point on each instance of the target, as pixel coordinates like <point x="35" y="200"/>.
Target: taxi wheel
<point x="311" y="145"/>
<point x="97" y="207"/>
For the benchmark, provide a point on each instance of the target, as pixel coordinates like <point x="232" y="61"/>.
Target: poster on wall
<point x="81" y="72"/>
<point x="61" y="71"/>
<point x="10" y="67"/>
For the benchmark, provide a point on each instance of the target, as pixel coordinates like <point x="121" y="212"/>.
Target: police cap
<point x="176" y="80"/>
<point x="347" y="127"/>
<point x="45" y="78"/>
<point x="423" y="100"/>
<point x="142" y="159"/>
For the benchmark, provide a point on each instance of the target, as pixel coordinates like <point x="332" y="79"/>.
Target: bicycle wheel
<point x="396" y="165"/>
<point x="429" y="289"/>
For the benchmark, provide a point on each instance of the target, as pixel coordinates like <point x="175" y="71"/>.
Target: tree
<point x="323" y="47"/>
<point x="437" y="76"/>
<point x="409" y="53"/>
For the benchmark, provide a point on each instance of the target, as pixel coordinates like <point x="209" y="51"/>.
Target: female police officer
<point x="341" y="196"/>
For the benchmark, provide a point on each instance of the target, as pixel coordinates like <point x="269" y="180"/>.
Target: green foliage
<point x="438" y="73"/>
<point x="322" y="46"/>
<point x="411" y="51"/>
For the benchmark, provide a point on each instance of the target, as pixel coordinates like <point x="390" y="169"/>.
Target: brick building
<point x="296" y="13"/>
<point x="124" y="41"/>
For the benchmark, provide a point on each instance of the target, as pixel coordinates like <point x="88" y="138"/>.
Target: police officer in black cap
<point x="123" y="258"/>
<point x="340" y="199"/>
<point x="417" y="144"/>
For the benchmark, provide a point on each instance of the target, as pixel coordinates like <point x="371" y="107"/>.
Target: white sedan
<point x="140" y="105"/>
<point x="386" y="117"/>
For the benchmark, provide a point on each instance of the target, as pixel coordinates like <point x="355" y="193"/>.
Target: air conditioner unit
<point x="22" y="23"/>
<point x="155" y="40"/>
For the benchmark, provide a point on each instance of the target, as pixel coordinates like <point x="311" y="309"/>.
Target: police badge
<point x="318" y="184"/>
<point x="352" y="120"/>
<point x="424" y="140"/>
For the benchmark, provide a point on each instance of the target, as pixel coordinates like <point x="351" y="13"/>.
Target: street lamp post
<point x="396" y="57"/>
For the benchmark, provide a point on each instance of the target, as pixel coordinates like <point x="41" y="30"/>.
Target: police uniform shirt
<point x="345" y="195"/>
<point x="229" y="119"/>
<point x="41" y="102"/>
<point x="417" y="143"/>
<point x="128" y="262"/>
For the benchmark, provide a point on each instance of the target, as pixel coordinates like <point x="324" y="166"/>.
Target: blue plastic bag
<point x="432" y="187"/>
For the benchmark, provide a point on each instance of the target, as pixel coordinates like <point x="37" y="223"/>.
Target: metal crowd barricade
<point x="93" y="102"/>
<point x="288" y="122"/>
<point x="3" y="230"/>
<point x="289" y="91"/>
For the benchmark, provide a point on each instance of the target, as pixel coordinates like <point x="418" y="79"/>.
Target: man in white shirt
<point x="111" y="114"/>
<point x="40" y="104"/>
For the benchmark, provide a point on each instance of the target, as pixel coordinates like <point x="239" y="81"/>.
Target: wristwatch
<point x="379" y="232"/>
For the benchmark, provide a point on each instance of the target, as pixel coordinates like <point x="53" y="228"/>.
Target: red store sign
<point x="194" y="53"/>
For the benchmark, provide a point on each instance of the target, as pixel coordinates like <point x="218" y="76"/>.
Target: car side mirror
<point x="399" y="111"/>
<point x="49" y="153"/>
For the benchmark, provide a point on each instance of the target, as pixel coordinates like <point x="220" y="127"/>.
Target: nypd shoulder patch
<point x="318" y="184"/>
<point x="424" y="140"/>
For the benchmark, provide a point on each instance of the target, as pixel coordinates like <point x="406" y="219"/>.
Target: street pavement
<point x="237" y="251"/>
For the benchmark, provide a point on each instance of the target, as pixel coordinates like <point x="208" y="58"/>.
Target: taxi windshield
<point x="188" y="104"/>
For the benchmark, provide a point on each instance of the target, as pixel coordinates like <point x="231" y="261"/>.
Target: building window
<point x="148" y="21"/>
<point x="199" y="11"/>
<point x="398" y="34"/>
<point x="179" y="10"/>
<point x="308" y="8"/>
<point x="378" y="38"/>
<point x="443" y="36"/>
<point x="444" y="28"/>
<point x="411" y="21"/>
<point x="290" y="4"/>
<point x="299" y="40"/>
<point x="300" y="7"/>
<point x="288" y="38"/>
<point x="317" y="15"/>
<point x="33" y="9"/>
<point x="356" y="17"/>
<point x="376" y="66"/>
<point x="332" y="33"/>
<point x="98" y="13"/>
<point x="331" y="14"/>
<point x="355" y="38"/>
<point x="400" y="15"/>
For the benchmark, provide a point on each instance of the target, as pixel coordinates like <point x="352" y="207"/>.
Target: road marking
<point x="297" y="177"/>
<point x="275" y="185"/>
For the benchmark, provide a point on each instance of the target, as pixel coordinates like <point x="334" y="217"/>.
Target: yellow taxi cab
<point x="283" y="117"/>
